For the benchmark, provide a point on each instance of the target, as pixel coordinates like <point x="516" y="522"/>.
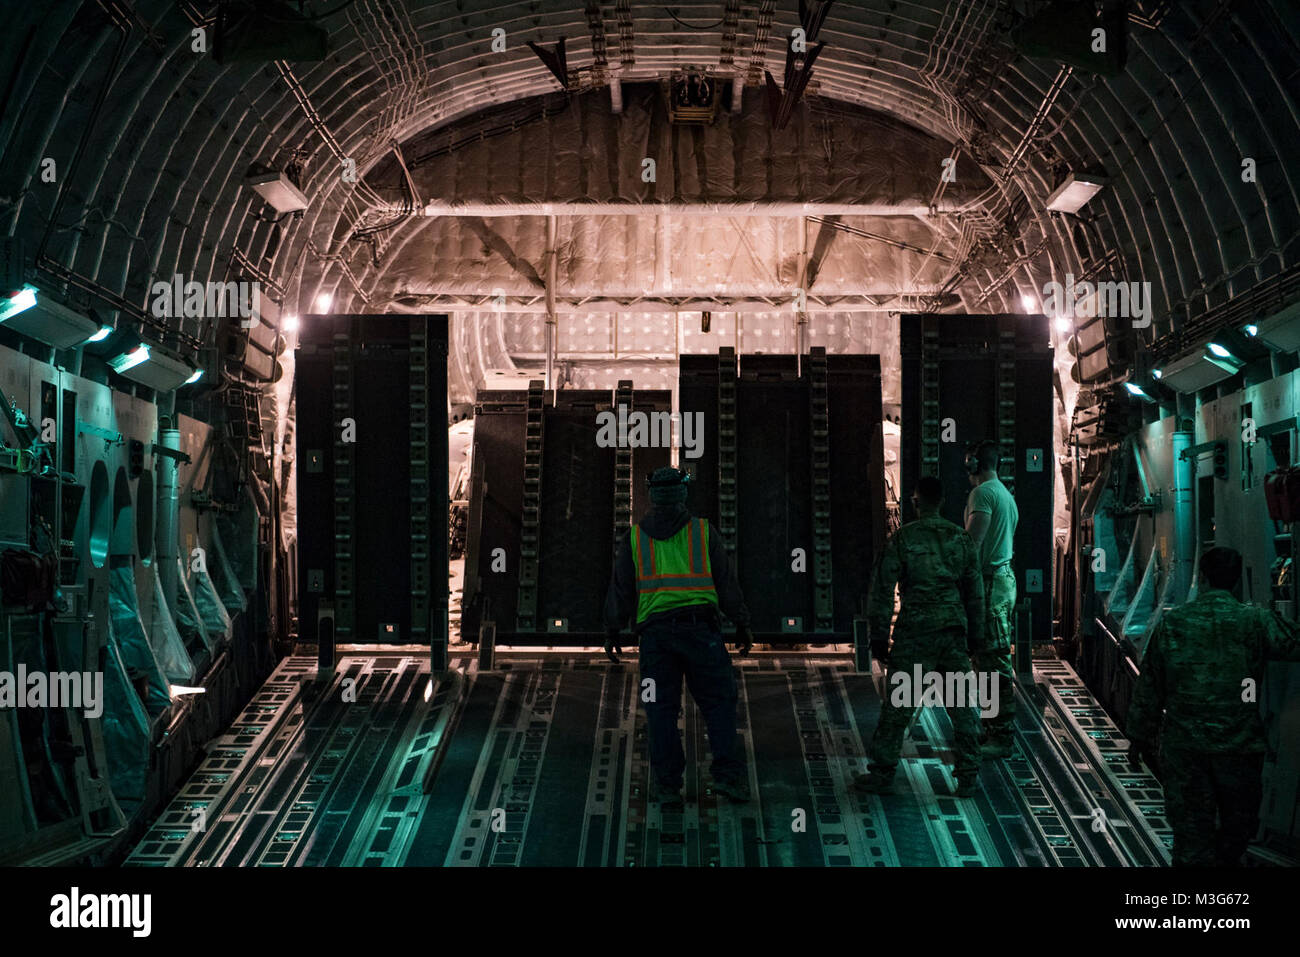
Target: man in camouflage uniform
<point x="933" y="562"/>
<point x="1196" y="670"/>
<point x="991" y="517"/>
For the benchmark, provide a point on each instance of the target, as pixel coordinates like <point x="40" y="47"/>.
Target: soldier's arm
<point x="880" y="603"/>
<point x="981" y="515"/>
<point x="972" y="593"/>
<point x="1281" y="637"/>
<point x="620" y="600"/>
<point x="1146" y="710"/>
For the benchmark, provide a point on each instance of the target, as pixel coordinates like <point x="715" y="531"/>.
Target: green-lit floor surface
<point x="544" y="762"/>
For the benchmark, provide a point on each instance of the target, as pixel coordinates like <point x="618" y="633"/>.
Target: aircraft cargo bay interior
<point x="755" y="434"/>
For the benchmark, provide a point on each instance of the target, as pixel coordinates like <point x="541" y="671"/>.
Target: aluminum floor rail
<point x="544" y="762"/>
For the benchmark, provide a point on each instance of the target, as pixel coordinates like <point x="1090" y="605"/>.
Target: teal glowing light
<point x="1137" y="391"/>
<point x="24" y="298"/>
<point x="129" y="360"/>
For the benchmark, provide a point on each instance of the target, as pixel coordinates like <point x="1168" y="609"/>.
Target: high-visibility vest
<point x="673" y="572"/>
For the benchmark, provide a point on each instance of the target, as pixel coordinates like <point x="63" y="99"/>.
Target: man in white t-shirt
<point x="991" y="518"/>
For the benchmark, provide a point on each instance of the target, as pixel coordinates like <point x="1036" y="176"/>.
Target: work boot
<point x="966" y="787"/>
<point x="668" y="798"/>
<point x="874" y="783"/>
<point x="734" y="789"/>
<point x="996" y="748"/>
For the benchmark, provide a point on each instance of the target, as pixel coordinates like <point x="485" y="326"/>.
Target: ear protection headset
<point x="973" y="456"/>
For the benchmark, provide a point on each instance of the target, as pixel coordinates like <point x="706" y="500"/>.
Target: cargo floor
<point x="544" y="762"/>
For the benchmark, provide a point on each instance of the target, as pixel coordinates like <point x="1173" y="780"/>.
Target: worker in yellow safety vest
<point x="673" y="572"/>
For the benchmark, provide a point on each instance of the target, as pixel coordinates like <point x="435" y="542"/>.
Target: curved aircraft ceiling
<point x="465" y="145"/>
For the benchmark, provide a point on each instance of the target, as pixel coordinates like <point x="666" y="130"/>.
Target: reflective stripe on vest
<point x="672" y="572"/>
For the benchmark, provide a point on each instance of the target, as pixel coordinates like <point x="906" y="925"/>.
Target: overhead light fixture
<point x="1222" y="357"/>
<point x="1073" y="194"/>
<point x="1157" y="373"/>
<point x="291" y="323"/>
<point x="154" y="367"/>
<point x="1063" y="31"/>
<point x="1251" y="329"/>
<point x="103" y="333"/>
<point x="198" y="374"/>
<point x="1137" y="390"/>
<point x="263" y="31"/>
<point x="16" y="301"/>
<point x="31" y="314"/>
<point x="278" y="191"/>
<point x="1028" y="302"/>
<point x="324" y="301"/>
<point x="1281" y="331"/>
<point x="1064" y="325"/>
<point x="131" y="359"/>
<point x="1195" y="371"/>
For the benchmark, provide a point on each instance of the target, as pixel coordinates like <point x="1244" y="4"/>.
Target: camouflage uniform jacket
<point x="1195" y="671"/>
<point x="936" y="566"/>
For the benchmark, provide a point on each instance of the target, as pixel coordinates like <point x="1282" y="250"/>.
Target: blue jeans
<point x="671" y="650"/>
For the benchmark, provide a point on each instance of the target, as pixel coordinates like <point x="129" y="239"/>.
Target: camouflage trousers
<point x="995" y="656"/>
<point x="942" y="651"/>
<point x="1201" y="786"/>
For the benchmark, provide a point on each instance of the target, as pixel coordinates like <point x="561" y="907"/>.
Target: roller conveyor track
<point x="544" y="762"/>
